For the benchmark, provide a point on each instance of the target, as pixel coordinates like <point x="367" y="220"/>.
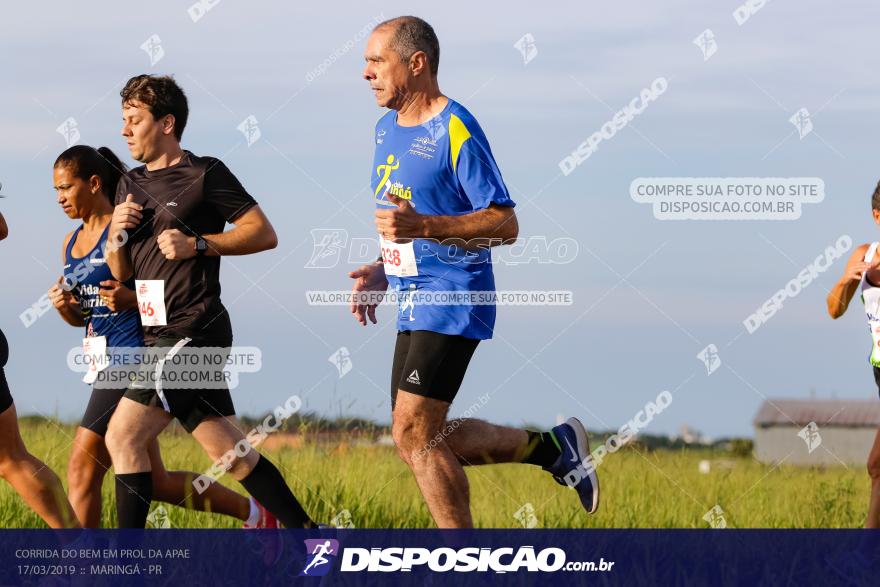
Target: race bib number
<point x="95" y="356"/>
<point x="151" y="301"/>
<point x="399" y="259"/>
<point x="875" y="338"/>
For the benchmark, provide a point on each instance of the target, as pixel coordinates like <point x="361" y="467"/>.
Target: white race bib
<point x="151" y="301"/>
<point x="875" y="338"/>
<point x="399" y="259"/>
<point x="95" y="354"/>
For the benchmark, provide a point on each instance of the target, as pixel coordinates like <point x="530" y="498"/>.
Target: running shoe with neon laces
<point x="574" y="463"/>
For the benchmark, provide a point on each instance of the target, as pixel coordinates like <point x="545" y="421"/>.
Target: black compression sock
<point x="134" y="492"/>
<point x="543" y="449"/>
<point x="268" y="487"/>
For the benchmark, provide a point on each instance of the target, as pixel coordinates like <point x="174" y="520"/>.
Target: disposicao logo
<point x="318" y="553"/>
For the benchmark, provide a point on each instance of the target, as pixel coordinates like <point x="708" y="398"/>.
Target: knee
<point x="120" y="442"/>
<point x="83" y="472"/>
<point x="12" y="460"/>
<point x="412" y="441"/>
<point x="401" y="432"/>
<point x="874" y="467"/>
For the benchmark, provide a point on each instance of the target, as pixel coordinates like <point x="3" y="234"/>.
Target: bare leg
<point x="417" y="425"/>
<point x="132" y="429"/>
<point x="476" y="442"/>
<point x="175" y="487"/>
<point x="89" y="462"/>
<point x="218" y="436"/>
<point x="873" y="520"/>
<point x="37" y="485"/>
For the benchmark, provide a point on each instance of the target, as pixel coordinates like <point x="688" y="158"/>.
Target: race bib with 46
<point x="151" y="301"/>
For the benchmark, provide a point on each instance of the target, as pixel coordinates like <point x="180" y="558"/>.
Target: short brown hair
<point x="161" y="95"/>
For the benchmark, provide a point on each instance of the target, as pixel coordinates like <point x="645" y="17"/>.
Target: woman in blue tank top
<point x="88" y="296"/>
<point x="32" y="480"/>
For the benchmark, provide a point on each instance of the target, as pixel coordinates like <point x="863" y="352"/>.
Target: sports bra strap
<point x="869" y="255"/>
<point x="72" y="241"/>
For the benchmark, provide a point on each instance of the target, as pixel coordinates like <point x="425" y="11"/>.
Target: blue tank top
<point x="84" y="274"/>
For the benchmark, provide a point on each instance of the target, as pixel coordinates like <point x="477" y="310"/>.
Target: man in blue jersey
<point x="440" y="205"/>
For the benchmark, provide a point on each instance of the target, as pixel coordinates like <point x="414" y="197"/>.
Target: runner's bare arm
<point x="4" y="229"/>
<point x="841" y="294"/>
<point x="489" y="227"/>
<point x="126" y="216"/>
<point x="63" y="301"/>
<point x="251" y="233"/>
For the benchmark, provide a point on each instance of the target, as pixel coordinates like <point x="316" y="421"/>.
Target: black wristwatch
<point x="201" y="246"/>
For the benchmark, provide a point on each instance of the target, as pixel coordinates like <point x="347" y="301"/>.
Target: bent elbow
<point x="835" y="312"/>
<point x="271" y="241"/>
<point x="511" y="230"/>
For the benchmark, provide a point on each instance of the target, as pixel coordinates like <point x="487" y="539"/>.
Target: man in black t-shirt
<point x="195" y="197"/>
<point x="171" y="214"/>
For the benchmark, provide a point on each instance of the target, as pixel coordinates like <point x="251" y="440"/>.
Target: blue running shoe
<point x="574" y="467"/>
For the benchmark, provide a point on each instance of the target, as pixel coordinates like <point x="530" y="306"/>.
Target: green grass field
<point x="661" y="489"/>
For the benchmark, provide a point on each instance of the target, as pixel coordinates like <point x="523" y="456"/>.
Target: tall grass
<point x="661" y="489"/>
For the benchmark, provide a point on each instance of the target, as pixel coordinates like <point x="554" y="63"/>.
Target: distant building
<point x="816" y="432"/>
<point x="690" y="435"/>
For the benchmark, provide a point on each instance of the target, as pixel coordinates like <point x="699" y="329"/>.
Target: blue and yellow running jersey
<point x="442" y="167"/>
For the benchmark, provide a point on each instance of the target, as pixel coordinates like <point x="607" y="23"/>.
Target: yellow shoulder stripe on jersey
<point x="458" y="134"/>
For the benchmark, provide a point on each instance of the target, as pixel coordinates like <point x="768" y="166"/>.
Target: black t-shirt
<point x="197" y="196"/>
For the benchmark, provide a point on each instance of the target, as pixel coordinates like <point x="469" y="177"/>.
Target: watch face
<point x="201" y="244"/>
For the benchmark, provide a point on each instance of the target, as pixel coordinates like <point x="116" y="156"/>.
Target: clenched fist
<point x="400" y="223"/>
<point x="116" y="297"/>
<point x="125" y="216"/>
<point x="175" y="245"/>
<point x="61" y="297"/>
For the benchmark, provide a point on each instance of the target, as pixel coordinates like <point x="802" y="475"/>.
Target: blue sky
<point x="687" y="284"/>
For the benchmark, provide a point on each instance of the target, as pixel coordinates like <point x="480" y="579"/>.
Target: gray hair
<point x="412" y="34"/>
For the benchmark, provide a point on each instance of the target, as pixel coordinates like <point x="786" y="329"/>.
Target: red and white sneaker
<point x="265" y="519"/>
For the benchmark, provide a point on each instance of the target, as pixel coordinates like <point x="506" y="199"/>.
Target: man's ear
<point x="168" y="124"/>
<point x="418" y="63"/>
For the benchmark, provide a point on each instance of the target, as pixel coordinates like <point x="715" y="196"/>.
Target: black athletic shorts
<point x="430" y="364"/>
<point x="190" y="405"/>
<point x="5" y="395"/>
<point x="101" y="406"/>
<point x="877" y="378"/>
